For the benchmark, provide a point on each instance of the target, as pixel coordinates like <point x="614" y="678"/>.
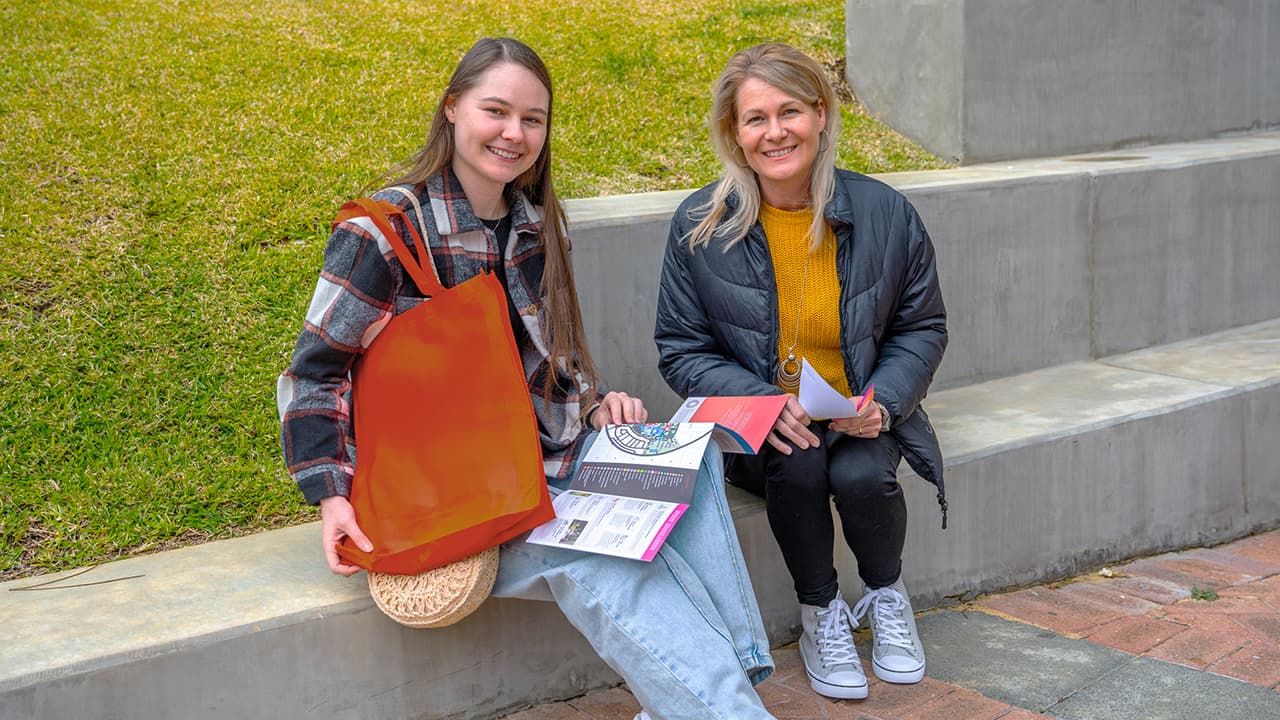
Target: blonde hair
<point x="797" y="75"/>
<point x="562" y="323"/>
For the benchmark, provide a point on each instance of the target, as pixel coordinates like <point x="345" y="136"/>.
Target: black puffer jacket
<point x="717" y="326"/>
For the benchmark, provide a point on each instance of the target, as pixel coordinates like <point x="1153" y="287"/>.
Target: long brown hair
<point x="797" y="75"/>
<point x="562" y="322"/>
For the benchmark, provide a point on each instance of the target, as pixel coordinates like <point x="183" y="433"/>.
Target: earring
<point x="824" y="135"/>
<point x="738" y="149"/>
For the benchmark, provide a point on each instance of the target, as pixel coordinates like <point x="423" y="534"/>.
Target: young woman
<point x="684" y="631"/>
<point x="788" y="259"/>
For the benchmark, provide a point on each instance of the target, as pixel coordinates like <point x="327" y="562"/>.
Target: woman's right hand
<point x="618" y="408"/>
<point x="338" y="521"/>
<point x="792" y="424"/>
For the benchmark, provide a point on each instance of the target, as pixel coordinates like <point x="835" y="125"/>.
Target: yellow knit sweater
<point x="814" y="296"/>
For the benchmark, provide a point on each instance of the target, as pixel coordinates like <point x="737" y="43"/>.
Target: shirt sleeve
<point x="917" y="332"/>
<point x="353" y="300"/>
<point x="690" y="357"/>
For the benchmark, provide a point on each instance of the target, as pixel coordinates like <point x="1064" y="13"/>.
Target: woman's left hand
<point x="866" y="425"/>
<point x="618" y="408"/>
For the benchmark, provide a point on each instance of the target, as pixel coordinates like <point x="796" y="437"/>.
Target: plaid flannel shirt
<point x="363" y="286"/>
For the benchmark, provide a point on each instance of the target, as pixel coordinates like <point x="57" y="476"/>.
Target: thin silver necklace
<point x="789" y="369"/>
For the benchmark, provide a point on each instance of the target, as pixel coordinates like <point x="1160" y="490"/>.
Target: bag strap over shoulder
<point x="378" y="211"/>
<point x="417" y="207"/>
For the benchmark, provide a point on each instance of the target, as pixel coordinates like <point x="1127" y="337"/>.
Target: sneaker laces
<point x="834" y="646"/>
<point x="887" y="605"/>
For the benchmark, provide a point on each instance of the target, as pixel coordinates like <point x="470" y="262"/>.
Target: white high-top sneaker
<point x="896" y="653"/>
<point x="826" y="646"/>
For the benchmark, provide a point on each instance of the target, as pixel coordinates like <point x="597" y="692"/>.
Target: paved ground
<point x="1190" y="635"/>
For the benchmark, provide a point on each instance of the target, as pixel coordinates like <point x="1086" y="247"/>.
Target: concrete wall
<point x="1260" y="485"/>
<point x="1042" y="262"/>
<point x="1203" y="257"/>
<point x="904" y="62"/>
<point x="1013" y="259"/>
<point x="979" y="80"/>
<point x="1271" y="90"/>
<point x="618" y="243"/>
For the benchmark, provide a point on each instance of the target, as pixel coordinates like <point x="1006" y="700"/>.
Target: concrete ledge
<point x="1050" y="473"/>
<point x="982" y="81"/>
<point x="257" y="627"/>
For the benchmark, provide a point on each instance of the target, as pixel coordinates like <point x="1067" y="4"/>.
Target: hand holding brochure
<point x="820" y="400"/>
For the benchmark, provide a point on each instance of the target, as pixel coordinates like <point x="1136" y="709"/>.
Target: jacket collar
<point x="840" y="209"/>
<point x="838" y="212"/>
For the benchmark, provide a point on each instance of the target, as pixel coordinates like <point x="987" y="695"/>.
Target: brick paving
<point x="1216" y="610"/>
<point x="1135" y="635"/>
<point x="1051" y="609"/>
<point x="1236" y="633"/>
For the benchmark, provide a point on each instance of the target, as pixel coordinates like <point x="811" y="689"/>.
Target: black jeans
<point x="862" y="475"/>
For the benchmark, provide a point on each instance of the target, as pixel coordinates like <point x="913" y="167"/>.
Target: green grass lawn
<point x="168" y="170"/>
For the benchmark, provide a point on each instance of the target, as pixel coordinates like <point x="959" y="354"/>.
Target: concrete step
<point x="1049" y="473"/>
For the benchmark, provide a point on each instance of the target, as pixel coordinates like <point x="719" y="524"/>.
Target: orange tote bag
<point x="449" y="459"/>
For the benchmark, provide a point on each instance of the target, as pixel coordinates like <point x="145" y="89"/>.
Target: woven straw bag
<point x="439" y="597"/>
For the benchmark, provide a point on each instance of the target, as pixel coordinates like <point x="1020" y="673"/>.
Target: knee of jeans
<point x="713" y="462"/>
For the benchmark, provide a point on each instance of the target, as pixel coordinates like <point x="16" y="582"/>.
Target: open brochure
<point x="632" y="486"/>
<point x="636" y="481"/>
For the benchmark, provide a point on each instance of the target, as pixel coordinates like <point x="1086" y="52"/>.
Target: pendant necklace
<point x="789" y="369"/>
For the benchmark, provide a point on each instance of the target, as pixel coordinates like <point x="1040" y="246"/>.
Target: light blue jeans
<point x="684" y="630"/>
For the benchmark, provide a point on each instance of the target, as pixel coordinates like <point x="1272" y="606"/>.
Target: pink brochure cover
<point x="742" y="422"/>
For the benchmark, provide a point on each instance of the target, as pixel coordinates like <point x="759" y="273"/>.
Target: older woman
<point x="787" y="259"/>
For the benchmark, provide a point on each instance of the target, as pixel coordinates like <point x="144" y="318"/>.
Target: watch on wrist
<point x="885" y="419"/>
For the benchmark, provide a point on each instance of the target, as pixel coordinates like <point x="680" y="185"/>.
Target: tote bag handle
<point x="377" y="211"/>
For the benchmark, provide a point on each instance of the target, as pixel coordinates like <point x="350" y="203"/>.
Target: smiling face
<point x="499" y="129"/>
<point x="780" y="136"/>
